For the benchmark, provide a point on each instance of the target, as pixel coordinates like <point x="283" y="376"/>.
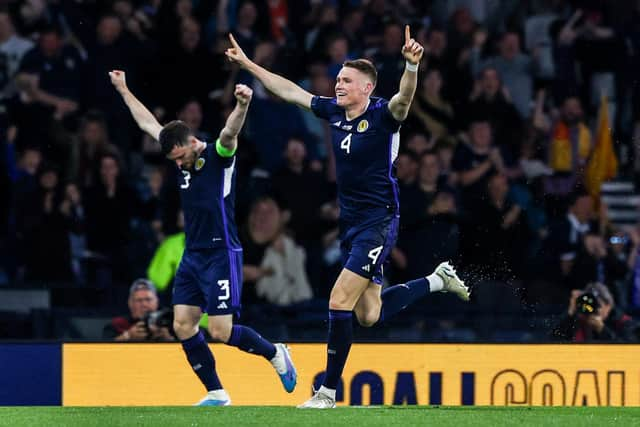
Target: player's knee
<point x="184" y="328"/>
<point x="368" y="319"/>
<point x="220" y="332"/>
<point x="340" y="301"/>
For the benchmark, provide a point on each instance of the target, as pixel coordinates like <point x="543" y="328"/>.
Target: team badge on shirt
<point x="363" y="125"/>
<point x="199" y="163"/>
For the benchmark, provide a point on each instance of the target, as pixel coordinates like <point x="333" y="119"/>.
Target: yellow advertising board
<point x="446" y="374"/>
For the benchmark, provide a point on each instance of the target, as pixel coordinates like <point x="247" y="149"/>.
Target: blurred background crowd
<point x="518" y="161"/>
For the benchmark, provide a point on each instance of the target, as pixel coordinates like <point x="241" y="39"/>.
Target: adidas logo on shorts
<point x="222" y="305"/>
<point x="366" y="268"/>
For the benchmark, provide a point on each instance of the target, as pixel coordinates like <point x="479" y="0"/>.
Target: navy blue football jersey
<point x="365" y="149"/>
<point x="207" y="194"/>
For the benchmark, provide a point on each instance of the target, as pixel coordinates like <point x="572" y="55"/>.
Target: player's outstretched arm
<point x="401" y="101"/>
<point x="279" y="86"/>
<point x="143" y="117"/>
<point x="229" y="134"/>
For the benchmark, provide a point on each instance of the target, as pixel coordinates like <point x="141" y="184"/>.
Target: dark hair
<point x="95" y="116"/>
<point x="577" y="193"/>
<point x="410" y="154"/>
<point x="174" y="133"/>
<point x="365" y="66"/>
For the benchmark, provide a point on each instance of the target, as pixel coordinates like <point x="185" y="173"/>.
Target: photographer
<point x="592" y="317"/>
<point x="144" y="322"/>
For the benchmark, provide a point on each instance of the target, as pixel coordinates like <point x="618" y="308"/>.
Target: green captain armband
<point x="224" y="151"/>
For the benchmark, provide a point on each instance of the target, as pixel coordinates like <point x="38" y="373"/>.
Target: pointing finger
<point x="407" y="34"/>
<point x="234" y="43"/>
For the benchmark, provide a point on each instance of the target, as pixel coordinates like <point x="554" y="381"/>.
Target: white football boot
<point x="319" y="400"/>
<point x="215" y="398"/>
<point x="451" y="282"/>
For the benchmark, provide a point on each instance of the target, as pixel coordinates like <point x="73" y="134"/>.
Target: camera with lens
<point x="162" y="318"/>
<point x="587" y="303"/>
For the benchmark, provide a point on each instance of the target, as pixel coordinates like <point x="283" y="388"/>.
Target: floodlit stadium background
<point x="552" y="84"/>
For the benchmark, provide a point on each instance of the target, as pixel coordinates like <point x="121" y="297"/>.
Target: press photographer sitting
<point x="592" y="317"/>
<point x="145" y="321"/>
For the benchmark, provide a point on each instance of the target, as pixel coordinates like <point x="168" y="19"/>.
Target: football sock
<point x="201" y="360"/>
<point x="339" y="343"/>
<point x="395" y="298"/>
<point x="246" y="339"/>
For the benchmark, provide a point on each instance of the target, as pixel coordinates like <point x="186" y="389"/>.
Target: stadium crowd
<point x="494" y="165"/>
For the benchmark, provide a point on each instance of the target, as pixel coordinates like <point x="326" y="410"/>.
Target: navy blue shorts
<point x="364" y="251"/>
<point x="210" y="279"/>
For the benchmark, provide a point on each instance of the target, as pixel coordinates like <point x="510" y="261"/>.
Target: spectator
<point x="190" y="64"/>
<point x="592" y="316"/>
<point x="406" y="170"/>
<point x="51" y="74"/>
<point x="110" y="206"/>
<point x="23" y="173"/>
<point x="91" y="143"/>
<point x="570" y="144"/>
<point x="389" y="61"/>
<point x="500" y="233"/>
<point x="191" y="114"/>
<point x="301" y="189"/>
<point x="565" y="241"/>
<point x="419" y="143"/>
<point x="323" y="29"/>
<point x="42" y="232"/>
<point x="337" y="52"/>
<point x="463" y="30"/>
<point x="319" y="129"/>
<point x="138" y="324"/>
<point x="490" y="101"/>
<point x="73" y="212"/>
<point x="246" y="29"/>
<point x="271" y="123"/>
<point x="273" y="262"/>
<point x="417" y="201"/>
<point x="113" y="49"/>
<point x="429" y="110"/>
<point x="515" y="68"/>
<point x="352" y="28"/>
<point x="438" y="56"/>
<point x="375" y="18"/>
<point x="429" y="230"/>
<point x="474" y="162"/>
<point x="445" y="148"/>
<point x="12" y="49"/>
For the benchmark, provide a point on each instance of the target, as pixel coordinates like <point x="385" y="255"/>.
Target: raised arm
<point x="143" y="117"/>
<point x="279" y="86"/>
<point x="401" y="101"/>
<point x="229" y="134"/>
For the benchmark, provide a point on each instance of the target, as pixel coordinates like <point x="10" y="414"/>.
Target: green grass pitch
<point x="286" y="416"/>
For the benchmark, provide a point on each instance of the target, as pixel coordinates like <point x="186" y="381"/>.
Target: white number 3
<point x="224" y="287"/>
<point x="187" y="177"/>
<point x="345" y="144"/>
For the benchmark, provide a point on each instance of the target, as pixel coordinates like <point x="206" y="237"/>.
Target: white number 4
<point x="345" y="144"/>
<point x="224" y="287"/>
<point x="375" y="253"/>
<point x="187" y="177"/>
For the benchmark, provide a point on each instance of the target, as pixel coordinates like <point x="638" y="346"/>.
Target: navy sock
<point x="397" y="297"/>
<point x="246" y="339"/>
<point x="338" y="345"/>
<point x="201" y="360"/>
